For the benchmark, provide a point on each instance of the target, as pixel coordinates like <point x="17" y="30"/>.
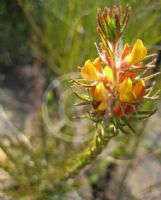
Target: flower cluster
<point x="128" y="88"/>
<point x="115" y="82"/>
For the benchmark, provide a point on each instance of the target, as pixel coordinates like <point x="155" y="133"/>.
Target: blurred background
<point x="40" y="42"/>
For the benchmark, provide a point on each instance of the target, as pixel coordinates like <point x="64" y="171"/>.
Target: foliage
<point x="61" y="26"/>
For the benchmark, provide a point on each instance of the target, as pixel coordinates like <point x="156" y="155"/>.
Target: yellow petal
<point x="89" y="72"/>
<point x="125" y="91"/>
<point x="100" y="92"/>
<point x="98" y="64"/>
<point x="139" y="89"/>
<point x="108" y="73"/>
<point x="138" y="53"/>
<point x="102" y="106"/>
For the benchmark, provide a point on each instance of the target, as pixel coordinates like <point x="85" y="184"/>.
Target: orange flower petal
<point x="98" y="64"/>
<point x="126" y="51"/>
<point x="130" y="75"/>
<point x="119" y="110"/>
<point x="139" y="89"/>
<point x="124" y="109"/>
<point x="92" y="91"/>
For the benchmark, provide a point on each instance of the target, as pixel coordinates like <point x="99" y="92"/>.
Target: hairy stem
<point x="96" y="146"/>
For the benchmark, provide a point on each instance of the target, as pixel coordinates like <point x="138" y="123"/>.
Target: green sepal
<point x="84" y="97"/>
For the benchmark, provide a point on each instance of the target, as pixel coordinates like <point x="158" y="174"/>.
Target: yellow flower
<point x="138" y="53"/>
<point x="101" y="95"/>
<point x="89" y="71"/>
<point x="129" y="93"/>
<point x="114" y="82"/>
<point x="93" y="71"/>
<point x="125" y="91"/>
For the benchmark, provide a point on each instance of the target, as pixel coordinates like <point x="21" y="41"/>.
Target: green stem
<point x="96" y="146"/>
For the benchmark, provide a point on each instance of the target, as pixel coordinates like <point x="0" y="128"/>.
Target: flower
<point x="137" y="54"/>
<point x="94" y="71"/>
<point x="129" y="90"/>
<point x="115" y="83"/>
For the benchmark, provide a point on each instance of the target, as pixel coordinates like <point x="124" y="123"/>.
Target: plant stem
<point x="90" y="153"/>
